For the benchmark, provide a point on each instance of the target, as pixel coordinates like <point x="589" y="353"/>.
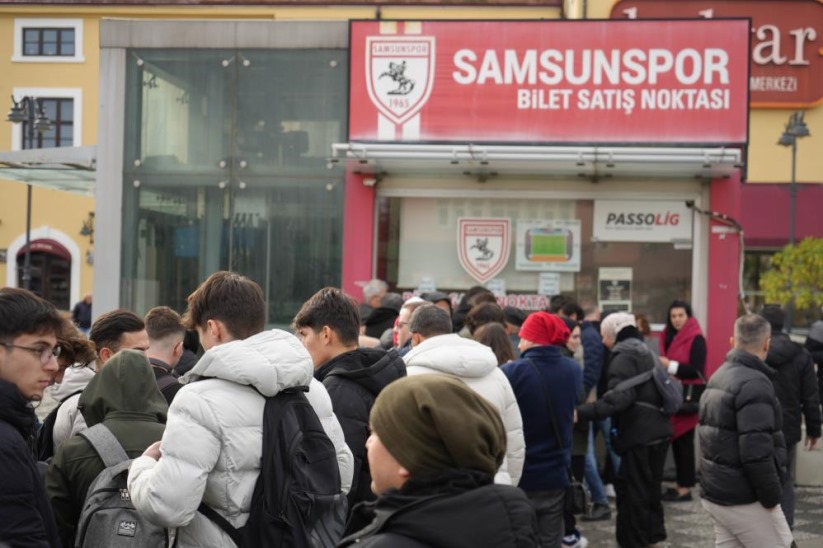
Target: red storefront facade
<point x="590" y="158"/>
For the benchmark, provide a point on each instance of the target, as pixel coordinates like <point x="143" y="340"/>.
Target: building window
<point x="61" y="134"/>
<point x="48" y="40"/>
<point x="39" y="41"/>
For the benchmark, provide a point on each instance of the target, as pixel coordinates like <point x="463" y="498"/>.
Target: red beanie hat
<point x="545" y="329"/>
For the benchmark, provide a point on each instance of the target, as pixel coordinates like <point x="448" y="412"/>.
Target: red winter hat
<point x="545" y="329"/>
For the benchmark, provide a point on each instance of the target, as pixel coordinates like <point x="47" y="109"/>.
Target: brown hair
<point x="494" y="336"/>
<point x="230" y="298"/>
<point x="162" y="322"/>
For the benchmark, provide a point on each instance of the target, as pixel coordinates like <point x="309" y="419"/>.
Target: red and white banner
<point x="609" y="82"/>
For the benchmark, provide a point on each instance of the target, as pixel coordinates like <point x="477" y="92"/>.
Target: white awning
<point x="379" y="160"/>
<point x="71" y="169"/>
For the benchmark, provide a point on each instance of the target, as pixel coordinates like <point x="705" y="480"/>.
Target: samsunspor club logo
<point x="400" y="75"/>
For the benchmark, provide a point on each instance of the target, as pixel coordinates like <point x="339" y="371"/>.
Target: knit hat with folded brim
<point x="431" y="423"/>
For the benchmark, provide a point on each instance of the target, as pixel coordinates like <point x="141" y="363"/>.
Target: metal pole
<point x="792" y="206"/>
<point x="30" y="112"/>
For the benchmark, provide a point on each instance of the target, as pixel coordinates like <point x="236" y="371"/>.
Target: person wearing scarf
<point x="683" y="353"/>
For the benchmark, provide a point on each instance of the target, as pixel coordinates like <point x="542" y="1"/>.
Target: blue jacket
<point x="592" y="355"/>
<point x="546" y="464"/>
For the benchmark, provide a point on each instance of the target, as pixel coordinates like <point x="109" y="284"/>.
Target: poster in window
<point x="614" y="287"/>
<point x="548" y="245"/>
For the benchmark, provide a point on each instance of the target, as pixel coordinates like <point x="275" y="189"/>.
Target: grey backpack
<point x="108" y="517"/>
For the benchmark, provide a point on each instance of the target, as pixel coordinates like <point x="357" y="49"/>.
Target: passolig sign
<point x="617" y="82"/>
<point x="786" y="43"/>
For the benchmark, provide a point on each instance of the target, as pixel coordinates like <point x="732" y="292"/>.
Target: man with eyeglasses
<point x="28" y="363"/>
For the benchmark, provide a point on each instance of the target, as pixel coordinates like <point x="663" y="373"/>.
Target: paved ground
<point x="688" y="525"/>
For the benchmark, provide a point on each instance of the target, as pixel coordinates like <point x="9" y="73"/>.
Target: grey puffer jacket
<point x="743" y="452"/>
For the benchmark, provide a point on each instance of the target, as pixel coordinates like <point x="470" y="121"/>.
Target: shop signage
<point x="552" y="246"/>
<point x="640" y="82"/>
<point x="786" y="41"/>
<point x="483" y="245"/>
<point x="638" y="221"/>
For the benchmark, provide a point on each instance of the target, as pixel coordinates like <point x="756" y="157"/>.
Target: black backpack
<point x="669" y="387"/>
<point x="44" y="442"/>
<point x="297" y="500"/>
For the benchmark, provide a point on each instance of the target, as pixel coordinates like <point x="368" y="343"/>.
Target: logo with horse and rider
<point x="483" y="245"/>
<point x="399" y="74"/>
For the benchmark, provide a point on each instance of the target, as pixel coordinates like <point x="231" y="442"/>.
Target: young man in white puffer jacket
<point x="211" y="448"/>
<point x="435" y="349"/>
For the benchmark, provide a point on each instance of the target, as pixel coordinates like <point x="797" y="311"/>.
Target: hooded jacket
<point x="476" y="365"/>
<point x="26" y="518"/>
<point x="458" y="508"/>
<point x="635" y="424"/>
<point x="353" y="380"/>
<point x="796" y="387"/>
<point x="742" y="450"/>
<point x="212" y="446"/>
<point x="124" y="397"/>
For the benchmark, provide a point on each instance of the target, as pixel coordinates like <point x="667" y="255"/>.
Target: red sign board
<point x="599" y="82"/>
<point x="786" y="43"/>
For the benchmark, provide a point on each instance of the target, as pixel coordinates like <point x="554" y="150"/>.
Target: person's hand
<point x="811" y="443"/>
<point x="153" y="451"/>
<point x="664" y="361"/>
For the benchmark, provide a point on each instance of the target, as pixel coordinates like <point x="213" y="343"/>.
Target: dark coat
<point x="458" y="509"/>
<point x="124" y="397"/>
<point x="635" y="424"/>
<point x="354" y="379"/>
<point x="546" y="465"/>
<point x="743" y="453"/>
<point x="796" y="387"/>
<point x="26" y="518"/>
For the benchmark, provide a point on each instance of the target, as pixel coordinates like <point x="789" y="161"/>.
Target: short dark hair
<point x="494" y="336"/>
<point x="24" y="313"/>
<point x="775" y="316"/>
<point x="109" y="328"/>
<point x="162" y="322"/>
<point x="331" y="307"/>
<point x="430" y="321"/>
<point x="571" y="308"/>
<point x="75" y="348"/>
<point x="230" y="298"/>
<point x="485" y="313"/>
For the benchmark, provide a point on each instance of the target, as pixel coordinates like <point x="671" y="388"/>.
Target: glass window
<point x="417" y="238"/>
<point x="226" y="169"/>
<point x="48" y="42"/>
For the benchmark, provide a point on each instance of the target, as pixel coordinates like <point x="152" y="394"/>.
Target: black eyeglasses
<point x="45" y="353"/>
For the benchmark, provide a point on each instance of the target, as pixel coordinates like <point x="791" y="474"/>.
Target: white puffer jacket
<point x="476" y="365"/>
<point x="212" y="445"/>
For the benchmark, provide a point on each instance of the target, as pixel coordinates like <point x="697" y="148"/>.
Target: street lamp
<point x="796" y="128"/>
<point x="29" y="110"/>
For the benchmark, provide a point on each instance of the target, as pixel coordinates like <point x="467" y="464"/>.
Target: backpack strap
<point x="106" y="445"/>
<point x="221" y="522"/>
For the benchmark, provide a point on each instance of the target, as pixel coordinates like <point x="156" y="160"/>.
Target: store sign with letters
<point x="639" y="221"/>
<point x="786" y="43"/>
<point x="599" y="82"/>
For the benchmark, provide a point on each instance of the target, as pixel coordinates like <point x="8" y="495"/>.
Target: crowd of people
<point x="447" y="423"/>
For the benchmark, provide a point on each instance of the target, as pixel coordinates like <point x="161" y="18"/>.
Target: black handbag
<point x="691" y="397"/>
<point x="577" y="496"/>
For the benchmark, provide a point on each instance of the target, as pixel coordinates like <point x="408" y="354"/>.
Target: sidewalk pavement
<point x="690" y="526"/>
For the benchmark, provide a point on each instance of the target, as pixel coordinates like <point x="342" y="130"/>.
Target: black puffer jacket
<point x="26" y="518"/>
<point x="743" y="453"/>
<point x="796" y="387"/>
<point x="636" y="424"/>
<point x="456" y="509"/>
<point x="354" y="380"/>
